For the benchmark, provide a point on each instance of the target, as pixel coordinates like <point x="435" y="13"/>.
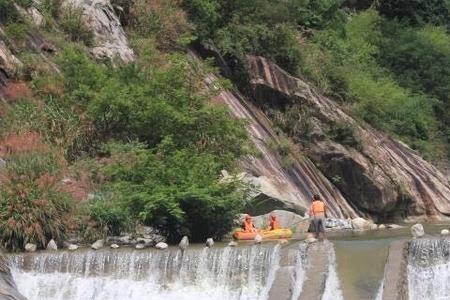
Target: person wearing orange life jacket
<point x="247" y="225"/>
<point x="273" y="223"/>
<point x="318" y="213"/>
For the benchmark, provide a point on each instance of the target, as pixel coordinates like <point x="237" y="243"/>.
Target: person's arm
<point x="325" y="211"/>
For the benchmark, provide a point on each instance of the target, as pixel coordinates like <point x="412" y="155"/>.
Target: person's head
<point x="247" y="217"/>
<point x="273" y="217"/>
<point x="316" y="197"/>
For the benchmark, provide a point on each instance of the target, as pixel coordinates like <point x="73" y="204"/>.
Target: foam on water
<point x="429" y="269"/>
<point x="242" y="273"/>
<point x="299" y="272"/>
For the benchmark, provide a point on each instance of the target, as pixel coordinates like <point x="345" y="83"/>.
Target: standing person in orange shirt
<point x="318" y="213"/>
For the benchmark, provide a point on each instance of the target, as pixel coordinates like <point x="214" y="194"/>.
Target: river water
<point x="355" y="271"/>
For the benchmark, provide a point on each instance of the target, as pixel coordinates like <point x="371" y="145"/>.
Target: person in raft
<point x="247" y="225"/>
<point x="318" y="213"/>
<point x="273" y="223"/>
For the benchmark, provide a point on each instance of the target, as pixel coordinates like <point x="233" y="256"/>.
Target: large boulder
<point x="8" y="288"/>
<point x="51" y="246"/>
<point x="110" y="38"/>
<point x="29" y="247"/>
<point x="360" y="224"/>
<point x="287" y="219"/>
<point x="376" y="173"/>
<point x="99" y="244"/>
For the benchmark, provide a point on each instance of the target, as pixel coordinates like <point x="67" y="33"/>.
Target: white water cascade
<point x="332" y="286"/>
<point x="242" y="273"/>
<point x="429" y="269"/>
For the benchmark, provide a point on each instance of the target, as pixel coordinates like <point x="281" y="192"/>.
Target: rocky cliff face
<point x="380" y="175"/>
<point x="292" y="185"/>
<point x="110" y="39"/>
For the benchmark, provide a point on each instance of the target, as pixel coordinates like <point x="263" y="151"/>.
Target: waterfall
<point x="332" y="286"/>
<point x="429" y="269"/>
<point x="218" y="273"/>
<point x="299" y="271"/>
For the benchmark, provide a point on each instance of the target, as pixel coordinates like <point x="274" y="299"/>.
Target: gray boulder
<point x="417" y="230"/>
<point x="51" y="246"/>
<point x="161" y="246"/>
<point x="287" y="219"/>
<point x="360" y="224"/>
<point x="209" y="243"/>
<point x="184" y="243"/>
<point x="73" y="247"/>
<point x="114" y="246"/>
<point x="98" y="244"/>
<point x="140" y="246"/>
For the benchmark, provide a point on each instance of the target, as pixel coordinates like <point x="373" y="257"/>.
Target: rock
<point x="394" y="226"/>
<point x="258" y="239"/>
<point x="9" y="63"/>
<point x="98" y="244"/>
<point x="445" y="232"/>
<point x="375" y="171"/>
<point x="232" y="244"/>
<point x="373" y="226"/>
<point x="338" y="224"/>
<point x="310" y="238"/>
<point x="51" y="246"/>
<point x="140" y="246"/>
<point x="73" y="247"/>
<point x="209" y="243"/>
<point x="2" y="163"/>
<point x="184" y="243"/>
<point x="30" y="247"/>
<point x="417" y="230"/>
<point x="287" y="219"/>
<point x="144" y="241"/>
<point x="381" y="226"/>
<point x="162" y="246"/>
<point x="360" y="224"/>
<point x="114" y="246"/>
<point x="110" y="38"/>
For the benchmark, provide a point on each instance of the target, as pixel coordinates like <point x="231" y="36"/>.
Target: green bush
<point x="110" y="217"/>
<point x="175" y="191"/>
<point x="8" y="13"/>
<point x="33" y="209"/>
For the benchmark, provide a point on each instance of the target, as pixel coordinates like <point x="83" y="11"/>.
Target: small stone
<point x="373" y="226"/>
<point x="310" y="240"/>
<point x="232" y="244"/>
<point x="258" y="239"/>
<point x="209" y="242"/>
<point x="114" y="246"/>
<point x="394" y="226"/>
<point x="30" y="247"/>
<point x="51" y="246"/>
<point x="361" y="224"/>
<point x="381" y="226"/>
<point x="445" y="232"/>
<point x="98" y="244"/>
<point x="417" y="230"/>
<point x="73" y="247"/>
<point x="184" y="243"/>
<point x="161" y="245"/>
<point x="140" y="246"/>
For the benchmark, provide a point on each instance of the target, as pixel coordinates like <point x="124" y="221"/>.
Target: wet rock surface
<point x="8" y="289"/>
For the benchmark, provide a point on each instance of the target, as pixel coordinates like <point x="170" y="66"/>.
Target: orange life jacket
<point x="248" y="226"/>
<point x="274" y="224"/>
<point x="317" y="207"/>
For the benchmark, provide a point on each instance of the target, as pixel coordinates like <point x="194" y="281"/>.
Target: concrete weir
<point x="314" y="273"/>
<point x="395" y="286"/>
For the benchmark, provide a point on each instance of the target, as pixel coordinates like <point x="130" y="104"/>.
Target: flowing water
<point x="219" y="273"/>
<point x="429" y="269"/>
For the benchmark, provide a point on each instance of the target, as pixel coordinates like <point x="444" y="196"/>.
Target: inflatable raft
<point x="283" y="233"/>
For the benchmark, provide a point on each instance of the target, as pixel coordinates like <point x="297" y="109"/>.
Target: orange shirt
<point x="317" y="208"/>
<point x="248" y="226"/>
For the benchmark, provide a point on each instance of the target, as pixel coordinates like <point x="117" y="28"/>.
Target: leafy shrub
<point x="174" y="191"/>
<point x="344" y="134"/>
<point x="33" y="209"/>
<point x="8" y="12"/>
<point x="110" y="217"/>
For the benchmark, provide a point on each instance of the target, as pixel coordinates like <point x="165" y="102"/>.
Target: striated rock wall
<point x="382" y="177"/>
<point x="294" y="184"/>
